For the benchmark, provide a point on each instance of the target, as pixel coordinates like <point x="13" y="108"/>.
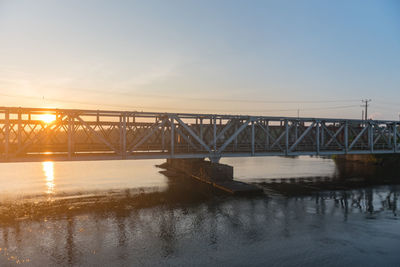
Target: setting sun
<point x="47" y="118"/>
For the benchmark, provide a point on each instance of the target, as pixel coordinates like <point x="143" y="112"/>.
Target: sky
<point x="273" y="58"/>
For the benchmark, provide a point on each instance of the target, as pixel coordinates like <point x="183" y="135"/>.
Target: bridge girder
<point x="97" y="134"/>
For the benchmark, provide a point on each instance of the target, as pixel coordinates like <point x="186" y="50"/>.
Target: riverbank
<point x="387" y="160"/>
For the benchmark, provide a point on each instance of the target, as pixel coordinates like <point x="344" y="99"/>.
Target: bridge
<point x="37" y="134"/>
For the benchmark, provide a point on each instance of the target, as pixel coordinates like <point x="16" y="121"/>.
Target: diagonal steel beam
<point x="222" y="132"/>
<point x="358" y="137"/>
<point x="355" y="134"/>
<point x="96" y="134"/>
<point x="257" y="140"/>
<point x="190" y="131"/>
<point x="233" y="136"/>
<point x="40" y="135"/>
<point x="184" y="136"/>
<point x="395" y="137"/>
<point x="313" y="140"/>
<point x="333" y="136"/>
<point x="148" y="135"/>
<point x="277" y="140"/>
<point x="302" y="136"/>
<point x="265" y="130"/>
<point x="382" y="135"/>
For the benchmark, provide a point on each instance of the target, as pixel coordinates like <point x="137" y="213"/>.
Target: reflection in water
<point x="174" y="227"/>
<point x="59" y="179"/>
<point x="48" y="169"/>
<point x="190" y="224"/>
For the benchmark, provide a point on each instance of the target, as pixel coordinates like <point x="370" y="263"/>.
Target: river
<point x="125" y="213"/>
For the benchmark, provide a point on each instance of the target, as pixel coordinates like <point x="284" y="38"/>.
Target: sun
<point x="47" y="118"/>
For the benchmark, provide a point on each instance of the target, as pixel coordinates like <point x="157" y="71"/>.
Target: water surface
<point x="125" y="213"/>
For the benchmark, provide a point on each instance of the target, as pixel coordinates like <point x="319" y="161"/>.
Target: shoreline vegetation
<point x="387" y="160"/>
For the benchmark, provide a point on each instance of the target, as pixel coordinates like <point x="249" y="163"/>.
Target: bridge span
<point x="37" y="134"/>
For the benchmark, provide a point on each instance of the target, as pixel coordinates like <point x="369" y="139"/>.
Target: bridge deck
<point x="98" y="135"/>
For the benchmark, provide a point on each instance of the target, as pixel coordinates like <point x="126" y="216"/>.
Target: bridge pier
<point x="215" y="174"/>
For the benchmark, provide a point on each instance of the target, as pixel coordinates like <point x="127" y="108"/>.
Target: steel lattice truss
<point x="95" y="134"/>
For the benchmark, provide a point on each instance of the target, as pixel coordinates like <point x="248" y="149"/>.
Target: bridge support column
<point x="215" y="158"/>
<point x="202" y="169"/>
<point x="216" y="174"/>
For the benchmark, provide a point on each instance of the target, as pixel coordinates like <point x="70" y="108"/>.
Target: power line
<point x="388" y="103"/>
<point x="169" y="108"/>
<point x="387" y="108"/>
<point x="214" y="99"/>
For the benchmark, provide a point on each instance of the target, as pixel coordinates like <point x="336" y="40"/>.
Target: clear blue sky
<point x="247" y="57"/>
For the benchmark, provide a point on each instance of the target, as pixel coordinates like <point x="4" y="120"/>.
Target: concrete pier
<point x="215" y="174"/>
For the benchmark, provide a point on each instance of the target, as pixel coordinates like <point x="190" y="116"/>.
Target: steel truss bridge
<point x="101" y="135"/>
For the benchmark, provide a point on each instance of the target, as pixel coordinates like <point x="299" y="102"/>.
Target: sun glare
<point x="48" y="169"/>
<point x="47" y="118"/>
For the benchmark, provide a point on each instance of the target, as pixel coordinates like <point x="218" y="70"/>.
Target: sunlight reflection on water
<point x="58" y="179"/>
<point x="48" y="169"/>
<point x="30" y="180"/>
<point x="182" y="219"/>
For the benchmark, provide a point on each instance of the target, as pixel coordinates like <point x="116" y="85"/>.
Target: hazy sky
<point x="247" y="57"/>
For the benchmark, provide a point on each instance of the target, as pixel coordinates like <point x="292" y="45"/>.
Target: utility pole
<point x="366" y="104"/>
